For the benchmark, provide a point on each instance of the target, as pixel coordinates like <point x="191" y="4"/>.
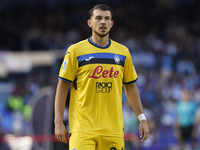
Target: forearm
<point x="60" y="100"/>
<point x="134" y="98"/>
<point x="135" y="102"/>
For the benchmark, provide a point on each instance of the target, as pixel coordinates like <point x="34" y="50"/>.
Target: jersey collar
<point x="107" y="45"/>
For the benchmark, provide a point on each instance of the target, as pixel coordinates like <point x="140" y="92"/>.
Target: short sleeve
<point x="130" y="74"/>
<point x="69" y="66"/>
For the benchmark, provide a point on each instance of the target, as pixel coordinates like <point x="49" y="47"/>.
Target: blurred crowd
<point x="162" y="36"/>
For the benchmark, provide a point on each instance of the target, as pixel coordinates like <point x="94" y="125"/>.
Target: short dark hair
<point x="102" y="7"/>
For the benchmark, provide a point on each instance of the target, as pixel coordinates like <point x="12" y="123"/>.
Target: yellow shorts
<point x="84" y="141"/>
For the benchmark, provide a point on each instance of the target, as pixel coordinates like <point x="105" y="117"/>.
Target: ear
<point x="89" y="23"/>
<point x="112" y="23"/>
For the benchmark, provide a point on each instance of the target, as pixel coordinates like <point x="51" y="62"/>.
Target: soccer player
<point x="97" y="68"/>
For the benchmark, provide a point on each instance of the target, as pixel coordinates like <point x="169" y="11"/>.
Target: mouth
<point x="103" y="27"/>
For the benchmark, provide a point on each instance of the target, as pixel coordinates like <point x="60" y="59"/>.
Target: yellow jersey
<point x="97" y="75"/>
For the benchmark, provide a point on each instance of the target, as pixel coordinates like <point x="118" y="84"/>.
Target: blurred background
<point x="163" y="37"/>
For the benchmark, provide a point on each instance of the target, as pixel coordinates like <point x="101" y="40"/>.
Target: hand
<point x="60" y="132"/>
<point x="143" y="130"/>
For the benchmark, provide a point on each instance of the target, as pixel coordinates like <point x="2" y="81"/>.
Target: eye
<point x="107" y="18"/>
<point x="98" y="18"/>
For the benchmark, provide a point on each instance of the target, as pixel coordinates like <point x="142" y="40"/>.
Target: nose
<point x="103" y="21"/>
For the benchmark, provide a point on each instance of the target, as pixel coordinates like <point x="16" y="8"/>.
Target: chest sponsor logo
<point x="103" y="87"/>
<point x="100" y="72"/>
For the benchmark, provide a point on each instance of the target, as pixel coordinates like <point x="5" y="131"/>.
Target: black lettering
<point x="110" y="84"/>
<point x="103" y="84"/>
<point x="109" y="87"/>
<point x="98" y="87"/>
<point x="103" y="87"/>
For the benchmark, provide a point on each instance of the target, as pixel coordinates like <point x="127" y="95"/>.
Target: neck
<point x="101" y="41"/>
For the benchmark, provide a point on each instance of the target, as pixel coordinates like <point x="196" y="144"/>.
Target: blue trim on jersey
<point x="107" y="45"/>
<point x="64" y="79"/>
<point x="100" y="55"/>
<point x="131" y="81"/>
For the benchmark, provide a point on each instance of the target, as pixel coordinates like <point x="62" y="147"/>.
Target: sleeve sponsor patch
<point x="64" y="65"/>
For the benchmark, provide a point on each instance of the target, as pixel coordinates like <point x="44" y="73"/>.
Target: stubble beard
<point x="101" y="35"/>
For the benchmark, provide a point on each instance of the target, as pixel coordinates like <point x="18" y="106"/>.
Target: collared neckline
<point x="96" y="45"/>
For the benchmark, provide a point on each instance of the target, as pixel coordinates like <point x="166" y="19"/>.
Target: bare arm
<point x="60" y="100"/>
<point x="135" y="102"/>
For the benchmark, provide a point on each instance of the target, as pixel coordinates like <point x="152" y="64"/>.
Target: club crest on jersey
<point x="117" y="60"/>
<point x="64" y="65"/>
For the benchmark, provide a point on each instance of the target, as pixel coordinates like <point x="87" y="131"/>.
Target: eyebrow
<point x="102" y="16"/>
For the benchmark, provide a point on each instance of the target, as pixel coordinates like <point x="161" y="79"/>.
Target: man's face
<point x="100" y="22"/>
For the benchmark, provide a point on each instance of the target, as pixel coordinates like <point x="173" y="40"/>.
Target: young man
<point x="97" y="68"/>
